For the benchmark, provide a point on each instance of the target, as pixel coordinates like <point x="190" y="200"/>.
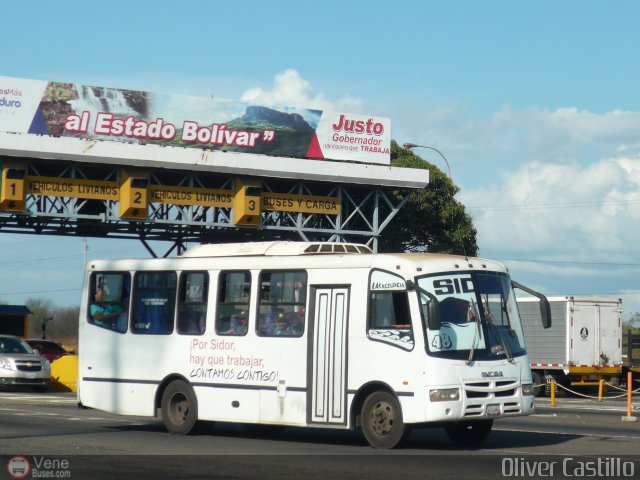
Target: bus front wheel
<point x="382" y="423"/>
<point x="469" y="433"/>
<point x="179" y="408"/>
<point x="539" y="384"/>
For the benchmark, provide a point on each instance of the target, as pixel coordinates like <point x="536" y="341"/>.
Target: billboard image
<point x="87" y="112"/>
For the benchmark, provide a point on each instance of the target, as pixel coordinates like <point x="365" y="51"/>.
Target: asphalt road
<point x="58" y="440"/>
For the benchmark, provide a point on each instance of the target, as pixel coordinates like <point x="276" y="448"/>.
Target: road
<point x="50" y="428"/>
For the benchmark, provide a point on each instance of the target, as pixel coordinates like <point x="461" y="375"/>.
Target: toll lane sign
<point x="72" y="187"/>
<point x="287" y="202"/>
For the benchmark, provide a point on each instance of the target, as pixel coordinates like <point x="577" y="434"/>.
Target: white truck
<point x="583" y="345"/>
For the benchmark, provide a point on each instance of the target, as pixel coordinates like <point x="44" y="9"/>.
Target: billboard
<point x="98" y="113"/>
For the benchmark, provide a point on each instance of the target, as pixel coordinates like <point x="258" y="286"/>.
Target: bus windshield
<point x="480" y="319"/>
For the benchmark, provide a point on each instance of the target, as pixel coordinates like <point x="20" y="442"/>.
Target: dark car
<point x="48" y="349"/>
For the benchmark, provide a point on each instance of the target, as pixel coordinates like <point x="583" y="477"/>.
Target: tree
<point x="432" y="220"/>
<point x="41" y="308"/>
<point x="632" y="324"/>
<point x="63" y="323"/>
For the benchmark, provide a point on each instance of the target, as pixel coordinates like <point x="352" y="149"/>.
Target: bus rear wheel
<point x="382" y="423"/>
<point x="469" y="433"/>
<point x="179" y="408"/>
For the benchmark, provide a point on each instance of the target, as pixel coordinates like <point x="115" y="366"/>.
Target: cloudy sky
<point x="534" y="104"/>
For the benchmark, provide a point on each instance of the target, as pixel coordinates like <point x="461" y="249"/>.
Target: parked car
<point x="21" y="366"/>
<point x="48" y="349"/>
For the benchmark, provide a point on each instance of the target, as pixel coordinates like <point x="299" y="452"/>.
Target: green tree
<point x="432" y="220"/>
<point x="632" y="324"/>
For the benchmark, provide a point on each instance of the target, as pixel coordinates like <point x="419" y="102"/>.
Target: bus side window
<point x="283" y="296"/>
<point x="232" y="309"/>
<point x="109" y="302"/>
<point x="192" y="303"/>
<point x="154" y="298"/>
<point x="390" y="318"/>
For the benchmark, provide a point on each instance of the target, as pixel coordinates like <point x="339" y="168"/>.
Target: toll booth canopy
<point x="13" y="319"/>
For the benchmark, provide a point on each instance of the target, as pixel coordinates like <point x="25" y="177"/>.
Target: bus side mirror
<point x="545" y="307"/>
<point x="434" y="316"/>
<point x="434" y="322"/>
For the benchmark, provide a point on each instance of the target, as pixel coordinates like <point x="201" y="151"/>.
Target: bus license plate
<point x="493" y="410"/>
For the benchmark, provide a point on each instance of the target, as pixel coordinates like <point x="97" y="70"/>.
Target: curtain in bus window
<point x="154" y="305"/>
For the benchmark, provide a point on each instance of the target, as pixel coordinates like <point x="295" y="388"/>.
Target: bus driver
<point x="106" y="314"/>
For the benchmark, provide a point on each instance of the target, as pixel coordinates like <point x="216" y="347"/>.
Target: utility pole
<point x="45" y="320"/>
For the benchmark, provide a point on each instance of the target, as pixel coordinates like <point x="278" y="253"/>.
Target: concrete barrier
<point x="64" y="374"/>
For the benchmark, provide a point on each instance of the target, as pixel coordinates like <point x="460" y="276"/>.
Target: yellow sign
<point x="12" y="192"/>
<point x="288" y="202"/>
<point x="196" y="196"/>
<point x="72" y="187"/>
<point x="206" y="197"/>
<point x="133" y="194"/>
<point x="246" y="201"/>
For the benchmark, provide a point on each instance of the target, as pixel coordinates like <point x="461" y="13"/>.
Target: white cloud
<point x="570" y="210"/>
<point x="479" y="144"/>
<point x="554" y="194"/>
<point x="559" y="185"/>
<point x="290" y="89"/>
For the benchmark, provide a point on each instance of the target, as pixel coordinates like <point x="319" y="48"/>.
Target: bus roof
<point x="306" y="255"/>
<point x="276" y="248"/>
<point x="298" y="249"/>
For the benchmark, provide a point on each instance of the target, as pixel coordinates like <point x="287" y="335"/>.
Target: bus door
<point x="328" y="350"/>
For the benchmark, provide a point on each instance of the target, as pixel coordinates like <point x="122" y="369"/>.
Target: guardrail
<point x="628" y="392"/>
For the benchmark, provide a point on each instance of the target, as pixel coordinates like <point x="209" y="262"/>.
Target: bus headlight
<point x="527" y="389"/>
<point x="444" y="394"/>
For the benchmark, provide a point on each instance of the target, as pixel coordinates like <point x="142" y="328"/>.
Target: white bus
<point x="306" y="334"/>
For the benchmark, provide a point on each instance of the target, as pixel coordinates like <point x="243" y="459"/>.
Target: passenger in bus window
<point x="281" y="326"/>
<point x="105" y="314"/>
<point x="268" y="321"/>
<point x="192" y="321"/>
<point x="239" y="324"/>
<point x="295" y="321"/>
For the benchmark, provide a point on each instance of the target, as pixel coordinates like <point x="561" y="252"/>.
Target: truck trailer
<point x="582" y="346"/>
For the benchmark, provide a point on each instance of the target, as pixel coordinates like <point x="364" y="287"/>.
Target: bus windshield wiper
<point x="497" y="333"/>
<point x="503" y="342"/>
<point x="476" y="316"/>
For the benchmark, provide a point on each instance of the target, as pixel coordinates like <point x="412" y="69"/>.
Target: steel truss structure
<point x="365" y="210"/>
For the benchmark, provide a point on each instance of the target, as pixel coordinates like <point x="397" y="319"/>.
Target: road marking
<point x="21" y="412"/>
<point x="591" y="409"/>
<point x="38" y="398"/>
<point x="580" y="434"/>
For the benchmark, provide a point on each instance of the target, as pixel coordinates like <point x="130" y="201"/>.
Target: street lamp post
<point x="409" y="146"/>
